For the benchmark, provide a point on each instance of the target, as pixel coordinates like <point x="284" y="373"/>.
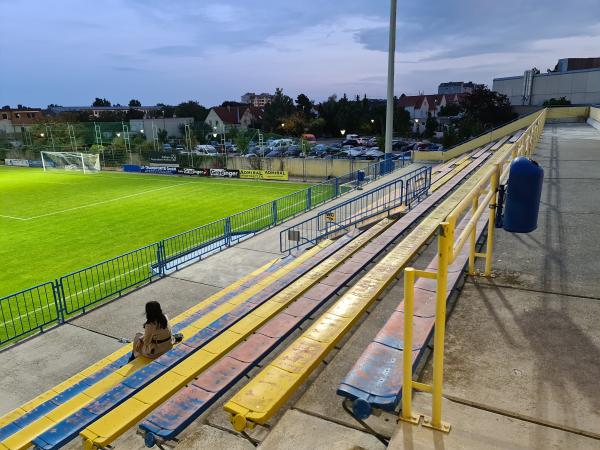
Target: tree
<point x="133" y="103"/>
<point x="563" y="101"/>
<point x="162" y="135"/>
<point x="450" y="137"/>
<point x="193" y="109"/>
<point x="450" y="110"/>
<point x="101" y="102"/>
<point x="304" y="104"/>
<point x="431" y="126"/>
<point x="484" y="109"/>
<point x="277" y="111"/>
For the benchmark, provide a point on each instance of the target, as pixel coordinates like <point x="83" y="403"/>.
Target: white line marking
<point x="12" y="217"/>
<point x="89" y="205"/>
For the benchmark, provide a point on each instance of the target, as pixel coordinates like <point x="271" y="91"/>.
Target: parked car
<point x="374" y="153"/>
<point x="310" y="138"/>
<point x="293" y="151"/>
<point x="208" y="150"/>
<point x="180" y="148"/>
<point x="167" y="148"/>
<point x="276" y="153"/>
<point x="350" y="142"/>
<point x="249" y="155"/>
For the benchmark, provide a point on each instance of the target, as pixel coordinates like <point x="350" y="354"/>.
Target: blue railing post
<point x="337" y="186"/>
<point x="308" y="199"/>
<point x="274" y="211"/>
<point x="227" y="231"/>
<point x="160" y="251"/>
<point x="56" y="290"/>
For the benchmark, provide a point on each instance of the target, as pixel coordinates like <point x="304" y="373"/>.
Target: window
<point x="17" y="115"/>
<point x="4" y="116"/>
<point x="30" y="115"/>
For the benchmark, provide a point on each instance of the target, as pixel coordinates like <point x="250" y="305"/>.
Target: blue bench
<point x="68" y="429"/>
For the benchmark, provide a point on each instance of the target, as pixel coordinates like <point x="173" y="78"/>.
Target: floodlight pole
<point x="389" y="115"/>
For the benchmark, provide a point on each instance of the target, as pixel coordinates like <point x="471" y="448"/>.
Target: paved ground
<point x="66" y="350"/>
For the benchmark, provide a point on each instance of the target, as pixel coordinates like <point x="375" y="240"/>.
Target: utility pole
<point x="389" y="116"/>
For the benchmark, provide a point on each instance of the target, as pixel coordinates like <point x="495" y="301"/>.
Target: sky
<point x="68" y="52"/>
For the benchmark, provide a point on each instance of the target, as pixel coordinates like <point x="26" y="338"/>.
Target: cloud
<point x="315" y="46"/>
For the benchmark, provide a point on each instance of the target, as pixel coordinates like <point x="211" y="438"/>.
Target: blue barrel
<point x="360" y="176"/>
<point x="523" y="195"/>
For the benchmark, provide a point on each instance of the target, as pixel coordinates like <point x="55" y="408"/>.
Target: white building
<point x="579" y="86"/>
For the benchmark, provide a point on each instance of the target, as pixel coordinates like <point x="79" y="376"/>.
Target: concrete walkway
<point x="42" y="362"/>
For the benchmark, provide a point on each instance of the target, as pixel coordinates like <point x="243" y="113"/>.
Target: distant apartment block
<point x="457" y="87"/>
<point x="576" y="79"/>
<point x="257" y="100"/>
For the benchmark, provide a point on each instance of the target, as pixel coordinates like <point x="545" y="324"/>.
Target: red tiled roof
<point x="230" y="114"/>
<point x="414" y="101"/>
<point x="433" y="100"/>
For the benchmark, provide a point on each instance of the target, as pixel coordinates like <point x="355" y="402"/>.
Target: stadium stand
<point x="176" y="414"/>
<point x="49" y="408"/>
<point x="229" y="333"/>
<point x="258" y="400"/>
<point x="171" y="371"/>
<point x="375" y="381"/>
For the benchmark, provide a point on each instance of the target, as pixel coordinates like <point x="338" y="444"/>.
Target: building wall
<point x="172" y="125"/>
<point x="581" y="87"/>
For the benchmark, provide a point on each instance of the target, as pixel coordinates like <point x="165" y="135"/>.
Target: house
<point x="243" y="117"/>
<point x="11" y="118"/>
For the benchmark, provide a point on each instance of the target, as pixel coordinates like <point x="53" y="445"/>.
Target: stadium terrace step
<point x="172" y="417"/>
<point x="36" y="407"/>
<point x="224" y="325"/>
<point x="108" y="423"/>
<point x="261" y="398"/>
<point x="375" y="380"/>
<point x="214" y="311"/>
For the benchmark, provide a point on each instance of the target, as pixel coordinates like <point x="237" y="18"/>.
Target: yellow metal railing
<point x="482" y="197"/>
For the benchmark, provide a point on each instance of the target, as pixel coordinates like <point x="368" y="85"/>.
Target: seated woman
<point x="157" y="338"/>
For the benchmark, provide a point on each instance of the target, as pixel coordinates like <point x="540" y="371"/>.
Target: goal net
<point x="86" y="162"/>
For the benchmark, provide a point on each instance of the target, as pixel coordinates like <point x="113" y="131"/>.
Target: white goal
<point x="86" y="162"/>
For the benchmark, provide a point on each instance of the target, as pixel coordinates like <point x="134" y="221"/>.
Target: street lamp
<point x="282" y="125"/>
<point x="342" y="132"/>
<point x="41" y="134"/>
<point x="372" y="121"/>
<point x="118" y="134"/>
<point x="215" y="135"/>
<point x="142" y="131"/>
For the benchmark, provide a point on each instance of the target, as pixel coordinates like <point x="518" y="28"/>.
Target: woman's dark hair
<point x="155" y="315"/>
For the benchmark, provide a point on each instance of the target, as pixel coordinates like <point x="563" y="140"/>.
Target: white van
<point x="206" y="150"/>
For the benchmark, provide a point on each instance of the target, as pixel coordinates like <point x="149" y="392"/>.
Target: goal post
<point x="76" y="161"/>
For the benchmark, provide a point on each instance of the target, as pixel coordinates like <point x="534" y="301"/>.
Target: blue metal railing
<point x="33" y="310"/>
<point x="404" y="191"/>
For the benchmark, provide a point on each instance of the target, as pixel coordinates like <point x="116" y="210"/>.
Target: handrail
<point x="481" y="197"/>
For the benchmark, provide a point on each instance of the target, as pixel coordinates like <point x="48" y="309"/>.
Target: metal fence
<point x="404" y="191"/>
<point x="35" y="309"/>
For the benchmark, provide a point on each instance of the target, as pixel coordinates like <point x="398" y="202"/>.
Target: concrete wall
<point x="559" y="114"/>
<point x="300" y="167"/>
<point x="594" y="118"/>
<point x="581" y="87"/>
<point x="171" y="124"/>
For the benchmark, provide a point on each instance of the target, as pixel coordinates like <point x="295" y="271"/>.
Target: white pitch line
<point x="106" y="201"/>
<point x="12" y="217"/>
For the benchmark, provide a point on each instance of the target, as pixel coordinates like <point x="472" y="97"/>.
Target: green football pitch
<point x="57" y="222"/>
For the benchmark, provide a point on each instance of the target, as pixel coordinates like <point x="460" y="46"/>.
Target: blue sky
<point x="70" y="51"/>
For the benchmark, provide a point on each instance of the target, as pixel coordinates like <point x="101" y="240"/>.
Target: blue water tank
<point x="523" y="195"/>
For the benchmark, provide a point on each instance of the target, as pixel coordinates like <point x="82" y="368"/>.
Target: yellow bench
<point x="262" y="397"/>
<point x="22" y="439"/>
<point x="110" y="426"/>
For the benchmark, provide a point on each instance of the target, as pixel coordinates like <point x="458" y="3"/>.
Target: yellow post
<point x="407" y="384"/>
<point x="492" y="221"/>
<point x="473" y="239"/>
<point x="445" y="240"/>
